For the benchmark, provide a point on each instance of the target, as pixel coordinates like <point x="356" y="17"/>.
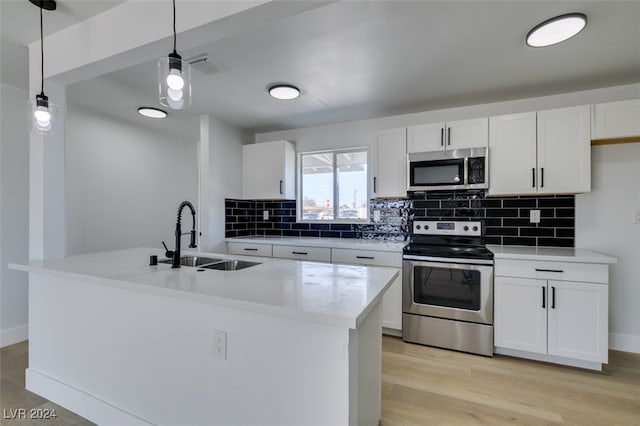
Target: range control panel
<point x="428" y="227"/>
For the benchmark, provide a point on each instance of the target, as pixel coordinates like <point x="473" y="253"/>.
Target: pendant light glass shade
<point x="42" y="115"/>
<point x="174" y="82"/>
<point x="174" y="77"/>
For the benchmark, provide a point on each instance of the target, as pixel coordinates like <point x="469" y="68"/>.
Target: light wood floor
<point x="428" y="386"/>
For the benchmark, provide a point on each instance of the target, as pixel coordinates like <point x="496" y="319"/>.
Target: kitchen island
<point x="281" y="343"/>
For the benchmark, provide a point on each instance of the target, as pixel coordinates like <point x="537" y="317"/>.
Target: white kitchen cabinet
<point x="390" y="173"/>
<point x="512" y="154"/>
<point x="318" y="254"/>
<point x="616" y="119"/>
<point x="520" y="317"/>
<point x="564" y="150"/>
<point x="451" y="135"/>
<point x="540" y="313"/>
<point x="548" y="152"/>
<point x="250" y="249"/>
<point x="269" y="171"/>
<point x="392" y="299"/>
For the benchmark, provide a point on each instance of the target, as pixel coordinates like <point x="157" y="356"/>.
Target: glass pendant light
<point x="174" y="77"/>
<point x="42" y="112"/>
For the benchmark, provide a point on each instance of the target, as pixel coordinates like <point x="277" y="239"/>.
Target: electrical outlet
<point x="534" y="216"/>
<point x="376" y="215"/>
<point x="636" y="216"/>
<point x="219" y="344"/>
<point x="265" y="214"/>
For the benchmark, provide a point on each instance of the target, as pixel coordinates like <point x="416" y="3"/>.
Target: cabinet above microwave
<point x="452" y="135"/>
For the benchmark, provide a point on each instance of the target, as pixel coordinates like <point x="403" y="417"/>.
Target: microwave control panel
<point x="476" y="172"/>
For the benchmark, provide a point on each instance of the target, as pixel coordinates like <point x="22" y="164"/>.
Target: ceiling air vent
<point x="206" y="64"/>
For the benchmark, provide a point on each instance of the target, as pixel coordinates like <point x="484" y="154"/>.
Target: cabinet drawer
<point x="320" y="254"/>
<point x="545" y="270"/>
<point x="249" y="249"/>
<point x="367" y="257"/>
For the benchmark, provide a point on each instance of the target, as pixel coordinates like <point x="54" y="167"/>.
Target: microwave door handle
<point x="466" y="170"/>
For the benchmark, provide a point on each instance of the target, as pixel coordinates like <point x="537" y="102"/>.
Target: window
<point x="334" y="186"/>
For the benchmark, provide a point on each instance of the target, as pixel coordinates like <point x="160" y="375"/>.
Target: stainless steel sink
<point x="193" y="260"/>
<point x="230" y="265"/>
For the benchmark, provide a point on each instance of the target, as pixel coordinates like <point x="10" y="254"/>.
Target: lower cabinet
<point x="392" y="299"/>
<point x="564" y="321"/>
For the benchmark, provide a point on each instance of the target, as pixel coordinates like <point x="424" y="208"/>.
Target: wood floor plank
<point x="431" y="386"/>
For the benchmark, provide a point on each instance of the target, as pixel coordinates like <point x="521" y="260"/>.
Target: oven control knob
<point x="466" y="228"/>
<point x="475" y="228"/>
<point x="418" y="227"/>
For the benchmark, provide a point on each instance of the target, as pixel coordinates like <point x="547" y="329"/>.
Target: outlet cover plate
<point x="534" y="216"/>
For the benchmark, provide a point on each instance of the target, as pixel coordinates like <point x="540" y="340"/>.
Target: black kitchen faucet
<point x="175" y="255"/>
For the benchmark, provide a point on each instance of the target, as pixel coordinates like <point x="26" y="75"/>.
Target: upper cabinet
<point x="614" y="120"/>
<point x="390" y="172"/>
<point x="448" y="136"/>
<point x="269" y="171"/>
<point x="547" y="152"/>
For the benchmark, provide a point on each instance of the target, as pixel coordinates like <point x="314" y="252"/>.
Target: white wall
<point x="124" y="183"/>
<point x="14" y="213"/>
<point x="361" y="133"/>
<point x="604" y="222"/>
<point x="220" y="159"/>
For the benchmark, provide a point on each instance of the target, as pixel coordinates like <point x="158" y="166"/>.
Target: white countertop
<point x="554" y="254"/>
<point x="344" y="243"/>
<point x="339" y="295"/>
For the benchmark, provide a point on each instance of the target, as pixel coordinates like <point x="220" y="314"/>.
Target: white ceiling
<point x="363" y="59"/>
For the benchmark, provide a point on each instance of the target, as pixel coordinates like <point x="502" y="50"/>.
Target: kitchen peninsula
<point x="284" y="342"/>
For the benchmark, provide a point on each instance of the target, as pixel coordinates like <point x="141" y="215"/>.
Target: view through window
<point x="334" y="186"/>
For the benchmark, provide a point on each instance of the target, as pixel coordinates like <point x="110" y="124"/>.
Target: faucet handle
<point x="168" y="253"/>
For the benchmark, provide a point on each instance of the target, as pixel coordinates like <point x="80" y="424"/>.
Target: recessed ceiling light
<point x="556" y="30"/>
<point x="152" y="112"/>
<point x="284" y="91"/>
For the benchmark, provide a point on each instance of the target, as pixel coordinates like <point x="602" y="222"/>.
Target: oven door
<point x="448" y="290"/>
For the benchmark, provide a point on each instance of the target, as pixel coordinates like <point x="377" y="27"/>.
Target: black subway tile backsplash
<point x="506" y="219"/>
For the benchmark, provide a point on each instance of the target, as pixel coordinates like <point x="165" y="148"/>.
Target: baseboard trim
<point x="624" y="342"/>
<point x="590" y="365"/>
<point x="14" y="335"/>
<point x="82" y="403"/>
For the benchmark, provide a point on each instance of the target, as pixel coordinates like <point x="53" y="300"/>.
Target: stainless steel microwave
<point x="454" y="169"/>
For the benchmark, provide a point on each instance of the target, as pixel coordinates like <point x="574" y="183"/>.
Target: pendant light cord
<point x="42" y="55"/>
<point x="174" y="26"/>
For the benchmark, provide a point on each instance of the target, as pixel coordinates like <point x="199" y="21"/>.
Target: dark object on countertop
<point x="153" y="260"/>
<point x="175" y="255"/>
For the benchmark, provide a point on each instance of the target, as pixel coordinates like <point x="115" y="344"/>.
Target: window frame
<point x="334" y="153"/>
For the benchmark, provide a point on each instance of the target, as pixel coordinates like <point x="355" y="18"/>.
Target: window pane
<point x="317" y="186"/>
<point x="352" y="185"/>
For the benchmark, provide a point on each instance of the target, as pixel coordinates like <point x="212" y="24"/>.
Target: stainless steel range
<point x="447" y="287"/>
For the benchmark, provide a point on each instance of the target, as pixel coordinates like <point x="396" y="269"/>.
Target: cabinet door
<point x="616" y="119"/>
<point x="520" y="314"/>
<point x="578" y="320"/>
<point x="467" y="134"/>
<point x="392" y="305"/>
<point x="390" y="179"/>
<point x="268" y="171"/>
<point x="426" y="138"/>
<point x="564" y="150"/>
<point x="512" y="154"/>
